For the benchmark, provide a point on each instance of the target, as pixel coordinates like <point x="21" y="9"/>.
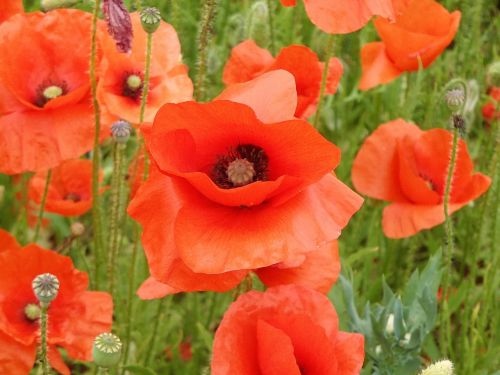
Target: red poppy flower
<point x="76" y="316"/>
<point x="70" y="188"/>
<point x="46" y="114"/>
<point x="7" y="241"/>
<point x="249" y="61"/>
<point x="225" y="197"/>
<point x="286" y="330"/>
<point x="346" y="16"/>
<point x="406" y="166"/>
<point x="489" y="110"/>
<point x="10" y="7"/>
<point x="423" y="30"/>
<point x="120" y="86"/>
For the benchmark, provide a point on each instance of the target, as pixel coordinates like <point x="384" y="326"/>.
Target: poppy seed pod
<point x="455" y="99"/>
<point x="106" y="350"/>
<point x="121" y="131"/>
<point x="150" y="19"/>
<point x="444" y="367"/>
<point x="45" y="287"/>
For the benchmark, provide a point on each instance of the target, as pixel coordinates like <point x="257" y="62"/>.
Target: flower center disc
<point x="52" y="92"/>
<point x="240" y="172"/>
<point x="32" y="311"/>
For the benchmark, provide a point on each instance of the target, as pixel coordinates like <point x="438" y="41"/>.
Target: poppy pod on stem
<point x="406" y="166"/>
<point x="422" y="31"/>
<point x="236" y="187"/>
<point x="76" y="315"/>
<point x="286" y="330"/>
<point x="46" y="114"/>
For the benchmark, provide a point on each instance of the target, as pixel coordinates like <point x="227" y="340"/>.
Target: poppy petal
<point x="10" y="7"/>
<point x="7" y="241"/>
<point x="376" y="66"/>
<point x="350" y="351"/>
<point x="15" y="358"/>
<point x="346" y="16"/>
<point x="152" y="289"/>
<point x="56" y="361"/>
<point x="272" y="96"/>
<point x="375" y="168"/>
<point x="275" y="351"/>
<point x="288" y="3"/>
<point x="260" y="236"/>
<point x="319" y="270"/>
<point x="246" y="62"/>
<point x="425" y="29"/>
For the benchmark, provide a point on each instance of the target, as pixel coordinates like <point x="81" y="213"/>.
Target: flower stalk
<point x="205" y="34"/>
<point x="96" y="158"/>
<point x="328" y="55"/>
<point x="42" y="205"/>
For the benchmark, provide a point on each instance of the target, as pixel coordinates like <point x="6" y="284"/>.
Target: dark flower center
<point x="428" y="181"/>
<point x="72" y="197"/>
<point x="132" y="85"/>
<point x="48" y="90"/>
<point x="241" y="166"/>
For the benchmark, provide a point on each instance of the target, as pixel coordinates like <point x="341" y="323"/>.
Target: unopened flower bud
<point x="119" y="24"/>
<point x="444" y="367"/>
<point x="47" y="5"/>
<point x="107" y="350"/>
<point x="455" y="99"/>
<point x="45" y="287"/>
<point x="150" y="19"/>
<point x="77" y="229"/>
<point x="120" y="131"/>
<point x="389" y="326"/>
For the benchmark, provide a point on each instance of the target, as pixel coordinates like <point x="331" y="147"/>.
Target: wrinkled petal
<point x="15" y="358"/>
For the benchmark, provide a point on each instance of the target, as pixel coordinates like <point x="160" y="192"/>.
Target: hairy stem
<point x="42" y="205"/>
<point x="44" y="317"/>
<point x="205" y="34"/>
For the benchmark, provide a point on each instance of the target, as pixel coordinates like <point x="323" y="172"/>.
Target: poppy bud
<point x="77" y="229"/>
<point x="459" y="123"/>
<point x="444" y="367"/>
<point x="119" y="24"/>
<point x="455" y="99"/>
<point x="47" y="5"/>
<point x="150" y="19"/>
<point x="45" y="287"/>
<point x="106" y="350"/>
<point x="120" y="131"/>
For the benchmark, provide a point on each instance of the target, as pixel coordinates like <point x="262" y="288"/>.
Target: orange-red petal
<point x="246" y="62"/>
<point x="15" y="357"/>
<point x="375" y="170"/>
<point x="376" y="67"/>
<point x="8" y="241"/>
<point x="272" y="95"/>
<point x="10" y="7"/>
<point x="318" y="271"/>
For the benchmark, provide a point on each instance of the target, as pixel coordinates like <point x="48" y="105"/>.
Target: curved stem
<point x="96" y="208"/>
<point x="207" y="17"/>
<point x="329" y="53"/>
<point x="42" y="205"/>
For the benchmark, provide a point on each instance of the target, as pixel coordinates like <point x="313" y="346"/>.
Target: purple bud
<point x="119" y="24"/>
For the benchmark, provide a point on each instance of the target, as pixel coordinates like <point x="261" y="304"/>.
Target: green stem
<point x="448" y="250"/>
<point x="205" y="33"/>
<point x="44" y="316"/>
<point x="116" y="194"/>
<point x="157" y="319"/>
<point x="42" y="205"/>
<point x="270" y="11"/>
<point x="102" y="371"/>
<point x="130" y="294"/>
<point x="328" y="54"/>
<point x="414" y="92"/>
<point x="96" y="208"/>
<point x="145" y="89"/>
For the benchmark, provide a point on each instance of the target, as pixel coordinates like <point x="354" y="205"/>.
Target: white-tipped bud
<point x="443" y="367"/>
<point x="107" y="350"/>
<point x="45" y="287"/>
<point x="389" y="326"/>
<point x="455" y="99"/>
